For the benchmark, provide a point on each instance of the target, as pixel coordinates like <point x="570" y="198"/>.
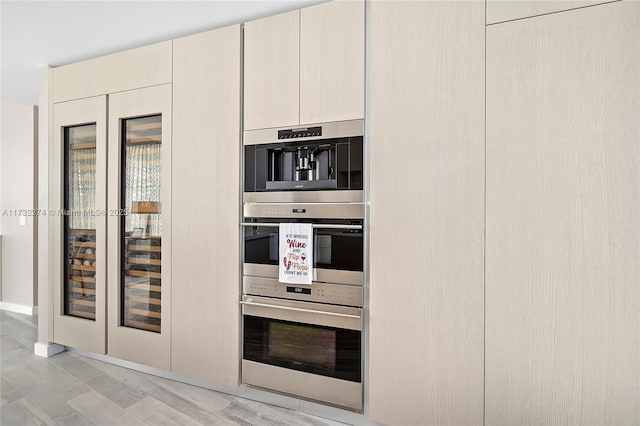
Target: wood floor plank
<point x="243" y="411"/>
<point x="178" y="402"/>
<point x="202" y="398"/>
<point x="37" y="412"/>
<point x="101" y="411"/>
<point x="60" y="378"/>
<point x="115" y="390"/>
<point x="21" y="378"/>
<point x="13" y="352"/>
<point x="46" y="396"/>
<point x="154" y="412"/>
<point x="8" y="393"/>
<point x="76" y="366"/>
<point x="136" y="380"/>
<point x="21" y="333"/>
<point x="59" y="411"/>
<point x="17" y="413"/>
<point x="73" y="418"/>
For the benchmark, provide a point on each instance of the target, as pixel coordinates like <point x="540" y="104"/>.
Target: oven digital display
<point x="305" y="345"/>
<point x="299" y="290"/>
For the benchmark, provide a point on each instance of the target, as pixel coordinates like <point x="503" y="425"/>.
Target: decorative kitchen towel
<point x="296" y="253"/>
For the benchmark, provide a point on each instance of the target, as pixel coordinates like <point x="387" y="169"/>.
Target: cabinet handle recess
<point x="314" y="226"/>
<point x="309" y="311"/>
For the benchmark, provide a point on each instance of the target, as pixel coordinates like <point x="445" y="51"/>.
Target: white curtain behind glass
<point x="143" y="184"/>
<point x="82" y="188"/>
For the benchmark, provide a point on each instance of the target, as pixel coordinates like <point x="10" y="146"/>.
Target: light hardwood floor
<point x="69" y="389"/>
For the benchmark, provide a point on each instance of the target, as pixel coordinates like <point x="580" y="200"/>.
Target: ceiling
<point x="35" y="34"/>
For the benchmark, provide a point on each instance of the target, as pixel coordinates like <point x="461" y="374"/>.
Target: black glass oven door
<point x="334" y="248"/>
<point x="322" y="349"/>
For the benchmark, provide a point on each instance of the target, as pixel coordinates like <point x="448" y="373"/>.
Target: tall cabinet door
<point x="140" y="226"/>
<point x="206" y="168"/>
<point x="271" y="71"/>
<point x="78" y="223"/>
<point x="427" y="213"/>
<point x="332" y="62"/>
<point x="563" y="235"/>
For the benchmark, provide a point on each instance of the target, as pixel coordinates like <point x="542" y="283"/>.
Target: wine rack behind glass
<point x="79" y="221"/>
<point x="142" y="223"/>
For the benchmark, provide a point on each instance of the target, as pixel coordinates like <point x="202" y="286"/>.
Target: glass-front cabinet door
<point x="141" y="224"/>
<point x="78" y="219"/>
<point x="139" y="228"/>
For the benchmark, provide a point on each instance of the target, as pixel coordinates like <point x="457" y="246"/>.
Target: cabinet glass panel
<point x="141" y="223"/>
<point x="79" y="221"/>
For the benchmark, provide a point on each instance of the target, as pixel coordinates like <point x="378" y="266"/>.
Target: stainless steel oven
<point x="337" y="235"/>
<point x="304" y="340"/>
<point x="315" y="163"/>
<point x="306" y="349"/>
<point x="299" y="339"/>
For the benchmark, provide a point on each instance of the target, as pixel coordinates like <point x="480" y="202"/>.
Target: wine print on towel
<point x="296" y="253"/>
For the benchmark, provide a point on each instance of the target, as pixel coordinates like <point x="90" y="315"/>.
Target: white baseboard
<point x="47" y="349"/>
<point x="19" y="309"/>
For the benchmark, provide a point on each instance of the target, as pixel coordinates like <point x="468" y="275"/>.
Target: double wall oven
<point x="305" y="339"/>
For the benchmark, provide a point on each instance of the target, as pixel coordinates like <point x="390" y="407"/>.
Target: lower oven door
<point x="308" y="350"/>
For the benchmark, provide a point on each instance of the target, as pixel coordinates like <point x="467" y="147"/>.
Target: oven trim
<point x="330" y="130"/>
<point x="345" y="317"/>
<point x="308" y="211"/>
<point x="337" y="294"/>
<point x="314" y="387"/>
<point x="340" y="196"/>
<point x="321" y="275"/>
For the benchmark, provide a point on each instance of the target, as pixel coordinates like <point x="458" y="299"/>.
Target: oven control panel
<point x="304" y="210"/>
<point x="337" y="294"/>
<point x="304" y="132"/>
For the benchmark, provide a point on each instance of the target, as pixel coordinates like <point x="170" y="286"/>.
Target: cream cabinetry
<point x="145" y="320"/>
<point x="139" y="242"/>
<point x="80" y="183"/>
<point x="131" y="69"/>
<point x="271" y="71"/>
<point x="427" y="213"/>
<point x="503" y="251"/>
<point x="305" y="66"/>
<point x="508" y="10"/>
<point x="332" y="62"/>
<point x="563" y="236"/>
<point x="78" y="225"/>
<point x="205" y="230"/>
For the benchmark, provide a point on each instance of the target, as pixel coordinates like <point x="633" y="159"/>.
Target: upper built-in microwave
<point x="315" y="163"/>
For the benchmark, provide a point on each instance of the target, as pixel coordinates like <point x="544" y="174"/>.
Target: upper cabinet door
<point x="562" y="230"/>
<point x="501" y="11"/>
<point x="332" y="62"/>
<point x="139" y="195"/>
<point x="78" y="176"/>
<point x="128" y="70"/>
<point x="271" y="71"/>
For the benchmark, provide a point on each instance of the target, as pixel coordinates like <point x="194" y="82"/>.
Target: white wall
<point x="18" y="144"/>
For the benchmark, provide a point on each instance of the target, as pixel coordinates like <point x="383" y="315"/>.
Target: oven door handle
<point x="314" y="226"/>
<point x="309" y="311"/>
